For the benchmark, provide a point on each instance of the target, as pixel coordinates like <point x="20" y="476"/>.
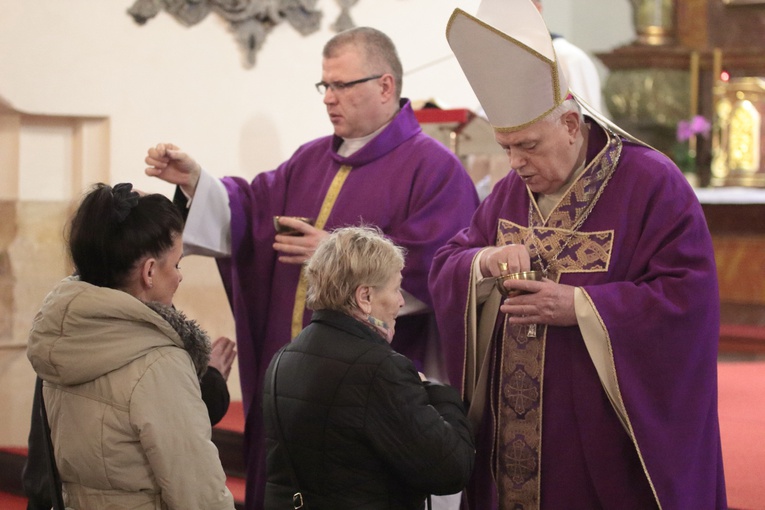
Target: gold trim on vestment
<point x="556" y="246"/>
<point x="326" y="207"/>
<point x="622" y="408"/>
<point x="471" y="363"/>
<point x="480" y="342"/>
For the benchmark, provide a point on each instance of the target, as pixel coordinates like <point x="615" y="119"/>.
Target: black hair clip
<point x="124" y="200"/>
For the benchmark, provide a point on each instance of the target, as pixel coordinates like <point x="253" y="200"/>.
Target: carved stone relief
<point x="250" y="20"/>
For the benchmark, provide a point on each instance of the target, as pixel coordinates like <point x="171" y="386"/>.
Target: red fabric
<point x="12" y="502"/>
<point x="741" y="388"/>
<point x="234" y="418"/>
<point x="15" y="450"/>
<point x="237" y="487"/>
<point x="743" y="330"/>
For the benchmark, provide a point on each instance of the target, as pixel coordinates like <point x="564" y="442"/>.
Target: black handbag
<point x="54" y="480"/>
<point x="297" y="498"/>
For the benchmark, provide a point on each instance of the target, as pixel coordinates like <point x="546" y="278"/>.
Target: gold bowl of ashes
<point x="289" y="231"/>
<point x="523" y="275"/>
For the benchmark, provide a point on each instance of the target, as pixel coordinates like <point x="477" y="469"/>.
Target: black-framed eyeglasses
<point x="322" y="86"/>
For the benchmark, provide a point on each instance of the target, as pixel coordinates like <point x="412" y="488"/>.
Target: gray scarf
<point x="195" y="339"/>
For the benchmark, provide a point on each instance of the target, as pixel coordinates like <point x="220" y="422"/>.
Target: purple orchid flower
<point x="698" y="125"/>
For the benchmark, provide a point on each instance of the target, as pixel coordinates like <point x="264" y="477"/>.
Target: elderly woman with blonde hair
<point x="349" y="422"/>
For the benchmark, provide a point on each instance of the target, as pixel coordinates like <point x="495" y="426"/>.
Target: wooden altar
<point x="736" y="219"/>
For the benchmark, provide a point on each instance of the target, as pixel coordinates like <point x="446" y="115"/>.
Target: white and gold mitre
<point x="507" y="55"/>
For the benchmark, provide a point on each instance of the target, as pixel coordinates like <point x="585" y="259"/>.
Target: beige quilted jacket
<point x="128" y="424"/>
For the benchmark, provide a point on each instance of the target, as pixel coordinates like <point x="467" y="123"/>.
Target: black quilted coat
<point x="360" y="428"/>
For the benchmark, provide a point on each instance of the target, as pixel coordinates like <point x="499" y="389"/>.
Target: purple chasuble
<point x="644" y="257"/>
<point x="402" y="181"/>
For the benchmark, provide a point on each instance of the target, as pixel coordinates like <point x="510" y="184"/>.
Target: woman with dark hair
<point x="121" y="365"/>
<point x="350" y="423"/>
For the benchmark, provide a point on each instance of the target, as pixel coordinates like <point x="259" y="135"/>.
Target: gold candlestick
<point x="716" y="64"/>
<point x="694" y="106"/>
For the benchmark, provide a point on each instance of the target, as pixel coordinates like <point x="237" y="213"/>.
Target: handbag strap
<point x="297" y="498"/>
<point x="54" y="480"/>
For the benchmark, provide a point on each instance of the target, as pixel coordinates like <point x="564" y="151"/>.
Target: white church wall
<point x="167" y="82"/>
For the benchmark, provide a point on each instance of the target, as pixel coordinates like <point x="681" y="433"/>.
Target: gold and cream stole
<point x="556" y="246"/>
<point x="326" y="207"/>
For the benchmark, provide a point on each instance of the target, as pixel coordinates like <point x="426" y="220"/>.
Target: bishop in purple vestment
<point x="597" y="387"/>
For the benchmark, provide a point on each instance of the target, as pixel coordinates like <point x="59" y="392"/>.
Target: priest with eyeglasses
<point x="378" y="168"/>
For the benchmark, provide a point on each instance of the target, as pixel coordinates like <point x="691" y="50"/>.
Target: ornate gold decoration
<point x="737" y="135"/>
<point x="654" y="21"/>
<point x="648" y="103"/>
<point x="648" y="96"/>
